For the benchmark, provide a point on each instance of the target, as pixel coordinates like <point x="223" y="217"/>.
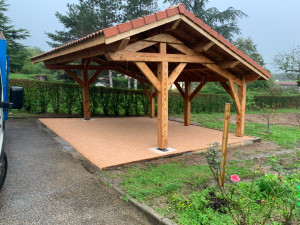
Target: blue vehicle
<point x="15" y="102"/>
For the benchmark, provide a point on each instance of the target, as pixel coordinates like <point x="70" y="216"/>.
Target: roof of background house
<point x="287" y="83"/>
<point x="143" y="21"/>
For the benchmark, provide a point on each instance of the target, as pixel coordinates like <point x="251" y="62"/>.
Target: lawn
<point x="182" y="188"/>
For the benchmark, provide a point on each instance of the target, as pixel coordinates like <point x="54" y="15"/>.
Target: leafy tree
<point x="224" y="22"/>
<point x="248" y="46"/>
<point x="28" y="67"/>
<point x="133" y="9"/>
<point x="85" y="18"/>
<point x="15" y="49"/>
<point x="289" y="62"/>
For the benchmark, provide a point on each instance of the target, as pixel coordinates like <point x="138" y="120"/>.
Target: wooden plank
<point x="149" y="74"/>
<point x="235" y="96"/>
<point x="228" y="64"/>
<point x="95" y="75"/>
<point x="227" y="89"/>
<point x="184" y="49"/>
<point x="240" y="121"/>
<point x="72" y="51"/>
<point x="203" y="47"/>
<point x="179" y="89"/>
<point x="164" y="38"/>
<point x="152" y="101"/>
<point x="176" y="72"/>
<point x="225" y="142"/>
<point x="187" y="103"/>
<point x="195" y="92"/>
<point x="176" y="24"/>
<point x="123" y="44"/>
<point x="146" y="91"/>
<point x="85" y="94"/>
<point x="137" y="46"/>
<point x="156" y="57"/>
<point x="162" y="106"/>
<point x="74" y="76"/>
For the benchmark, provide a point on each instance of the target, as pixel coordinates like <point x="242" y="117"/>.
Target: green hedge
<point x="57" y="97"/>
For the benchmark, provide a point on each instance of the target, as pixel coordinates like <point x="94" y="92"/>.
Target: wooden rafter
<point x="229" y="64"/>
<point x="196" y="91"/>
<point x="149" y="74"/>
<point x="203" y="47"/>
<point x="179" y="88"/>
<point x="164" y="38"/>
<point x="235" y="96"/>
<point x="74" y="76"/>
<point x="176" y="72"/>
<point x="95" y="75"/>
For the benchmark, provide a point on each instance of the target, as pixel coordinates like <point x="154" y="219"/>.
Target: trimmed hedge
<point x="66" y="98"/>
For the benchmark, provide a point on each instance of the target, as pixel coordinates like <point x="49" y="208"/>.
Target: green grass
<point x="169" y="178"/>
<point x="285" y="136"/>
<point x="51" y="77"/>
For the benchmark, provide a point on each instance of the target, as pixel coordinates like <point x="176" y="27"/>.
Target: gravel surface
<point x="46" y="185"/>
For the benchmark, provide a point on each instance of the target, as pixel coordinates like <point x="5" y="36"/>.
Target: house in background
<point x="288" y="85"/>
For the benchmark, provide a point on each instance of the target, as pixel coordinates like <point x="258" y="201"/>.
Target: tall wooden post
<point x="187" y="103"/>
<point x="162" y="102"/>
<point x="85" y="94"/>
<point x="240" y="119"/>
<point x="152" y="102"/>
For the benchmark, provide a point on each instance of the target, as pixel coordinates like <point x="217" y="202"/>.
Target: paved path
<point x="46" y="185"/>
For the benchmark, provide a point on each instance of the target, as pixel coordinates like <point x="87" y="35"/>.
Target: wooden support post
<point x="152" y="102"/>
<point x="187" y="103"/>
<point x="225" y="142"/>
<point x="85" y="93"/>
<point x="240" y="119"/>
<point x="162" y="102"/>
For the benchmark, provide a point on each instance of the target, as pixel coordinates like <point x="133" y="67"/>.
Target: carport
<point x="159" y="50"/>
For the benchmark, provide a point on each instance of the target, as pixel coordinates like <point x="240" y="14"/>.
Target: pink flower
<point x="235" y="178"/>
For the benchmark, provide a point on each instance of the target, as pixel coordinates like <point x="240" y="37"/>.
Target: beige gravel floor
<point x="108" y="142"/>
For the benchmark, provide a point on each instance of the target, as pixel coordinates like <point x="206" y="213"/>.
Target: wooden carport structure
<point x="167" y="47"/>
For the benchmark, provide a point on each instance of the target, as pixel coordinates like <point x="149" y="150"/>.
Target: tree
<point x="15" y="49"/>
<point x="224" y="22"/>
<point x="248" y="46"/>
<point x="289" y="62"/>
<point x="133" y="9"/>
<point x="28" y="67"/>
<point x="85" y="18"/>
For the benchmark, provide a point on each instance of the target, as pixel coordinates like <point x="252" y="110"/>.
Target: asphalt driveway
<point x="46" y="185"/>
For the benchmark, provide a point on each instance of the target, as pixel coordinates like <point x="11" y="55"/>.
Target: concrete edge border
<point x="97" y="173"/>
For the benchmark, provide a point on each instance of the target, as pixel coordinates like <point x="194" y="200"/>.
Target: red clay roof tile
<point x="125" y="27"/>
<point x="150" y="18"/>
<point x="161" y="15"/>
<point x="112" y="31"/>
<point x="172" y="11"/>
<point x="138" y="22"/>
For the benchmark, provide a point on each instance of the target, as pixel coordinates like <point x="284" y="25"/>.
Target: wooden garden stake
<point x="224" y="142"/>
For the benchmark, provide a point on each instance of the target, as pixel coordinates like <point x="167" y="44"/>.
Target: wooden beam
<point x="86" y="64"/>
<point x="162" y="106"/>
<point x="176" y="72"/>
<point x="152" y="101"/>
<point x="123" y="44"/>
<point x="184" y="49"/>
<point x="155" y="57"/>
<point x="149" y="74"/>
<point x="203" y="47"/>
<point x="187" y="103"/>
<point x="240" y="119"/>
<point x="195" y="92"/>
<point x="139" y="45"/>
<point x="179" y="89"/>
<point x="176" y="24"/>
<point x="235" y="96"/>
<point x="74" y="76"/>
<point x="229" y="64"/>
<point x="164" y="38"/>
<point x="146" y="91"/>
<point x="227" y="89"/>
<point x="85" y="91"/>
<point x="95" y="75"/>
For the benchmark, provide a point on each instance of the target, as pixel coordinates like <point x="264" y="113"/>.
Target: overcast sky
<point x="273" y="24"/>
